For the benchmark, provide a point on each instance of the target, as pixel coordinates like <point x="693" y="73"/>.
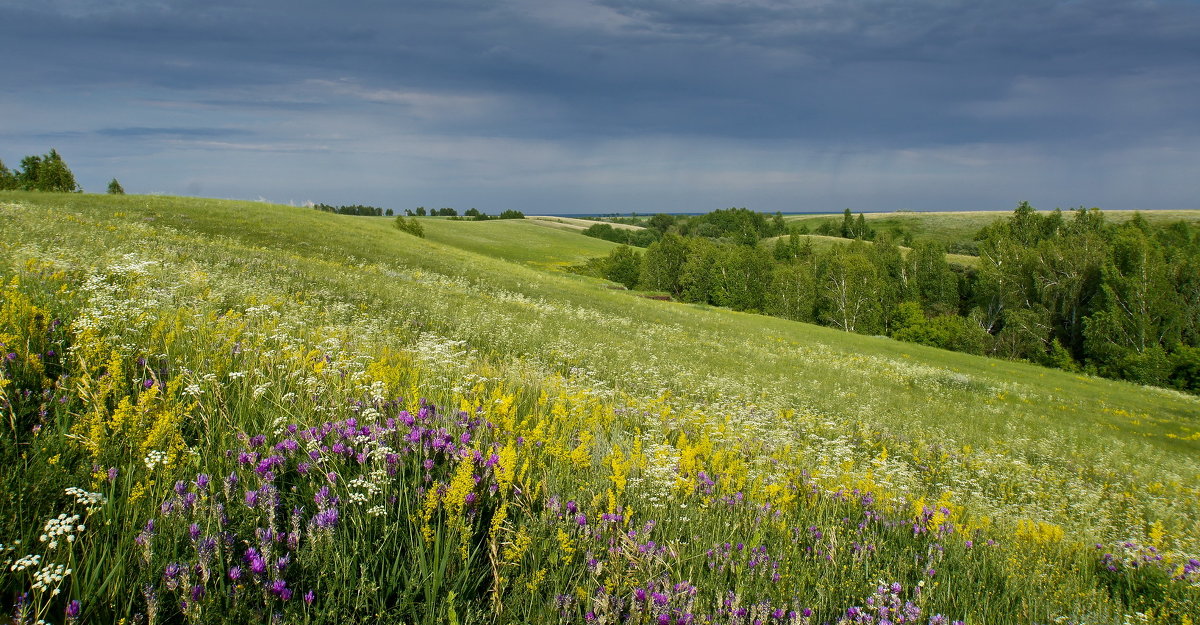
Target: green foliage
<point x="661" y="222"/>
<point x="115" y="188"/>
<point x="848" y="284"/>
<point x="8" y="179"/>
<point x="512" y="214"/>
<point x="662" y="265"/>
<point x="41" y="173"/>
<point x="944" y="331"/>
<point x="623" y="266"/>
<point x="355" y="209"/>
<point x="639" y="237"/>
<point x="792" y="292"/>
<point x="410" y="225"/>
<point x="1185" y="369"/>
<point x="738" y="225"/>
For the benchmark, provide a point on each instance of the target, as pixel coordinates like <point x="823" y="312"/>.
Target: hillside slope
<point x="667" y="414"/>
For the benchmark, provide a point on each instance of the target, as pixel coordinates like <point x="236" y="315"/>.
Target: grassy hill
<point x="591" y="451"/>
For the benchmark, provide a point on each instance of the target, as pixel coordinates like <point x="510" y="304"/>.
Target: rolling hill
<point x="536" y="445"/>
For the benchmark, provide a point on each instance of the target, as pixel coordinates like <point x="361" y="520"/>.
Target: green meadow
<point x="283" y="415"/>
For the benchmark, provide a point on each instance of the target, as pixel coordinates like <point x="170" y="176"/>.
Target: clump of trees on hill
<point x="48" y="172"/>
<point x="471" y="214"/>
<point x="355" y="209"/>
<point x="736" y="225"/>
<point x="1073" y="291"/>
<point x="435" y="212"/>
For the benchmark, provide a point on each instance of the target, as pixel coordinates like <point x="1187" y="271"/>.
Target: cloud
<point x="754" y="96"/>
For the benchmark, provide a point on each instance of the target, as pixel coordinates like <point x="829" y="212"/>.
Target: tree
<point x="8" y="179"/>
<point x="1137" y="316"/>
<point x="661" y="222"/>
<point x="662" y="264"/>
<point x="47" y="173"/>
<point x="512" y="214"/>
<point x="696" y="279"/>
<point x="741" y="276"/>
<point x="848" y="290"/>
<point x="114" y="188"/>
<point x="389" y="212"/>
<point x="792" y="292"/>
<point x="622" y="266"/>
<point x="420" y="211"/>
<point x="934" y="284"/>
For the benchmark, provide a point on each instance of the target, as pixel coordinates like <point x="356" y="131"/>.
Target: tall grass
<point x="278" y="415"/>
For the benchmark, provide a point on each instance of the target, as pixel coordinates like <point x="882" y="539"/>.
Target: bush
<point x="411" y="226"/>
<point x="1185" y="372"/>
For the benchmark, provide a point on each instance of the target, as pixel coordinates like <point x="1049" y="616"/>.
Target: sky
<point x="599" y="106"/>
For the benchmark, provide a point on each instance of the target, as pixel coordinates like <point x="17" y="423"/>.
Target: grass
<point x="517" y="241"/>
<point x="694" y="426"/>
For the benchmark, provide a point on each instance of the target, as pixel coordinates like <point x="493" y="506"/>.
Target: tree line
<point x="355" y="209"/>
<point x="739" y="225"/>
<point x="1073" y="291"/>
<point x="471" y="214"/>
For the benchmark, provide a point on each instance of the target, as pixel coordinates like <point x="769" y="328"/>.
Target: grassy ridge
<point x="1041" y="461"/>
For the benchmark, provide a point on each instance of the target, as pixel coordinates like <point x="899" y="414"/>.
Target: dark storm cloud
<point x="778" y="80"/>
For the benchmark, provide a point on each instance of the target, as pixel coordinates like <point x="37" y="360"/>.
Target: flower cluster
<point x="63" y="526"/>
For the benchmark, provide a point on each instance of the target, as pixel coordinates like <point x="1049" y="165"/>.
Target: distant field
<point x="951" y="227"/>
<point x="591" y="451"/>
<point x="520" y="240"/>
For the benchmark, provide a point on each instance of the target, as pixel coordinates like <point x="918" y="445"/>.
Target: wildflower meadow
<point x="220" y="412"/>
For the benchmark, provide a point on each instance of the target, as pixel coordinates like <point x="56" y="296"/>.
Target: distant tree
<point x="389" y="212"/>
<point x="472" y="212"/>
<point x="847" y="225"/>
<point x="661" y="222"/>
<point x="114" y="187"/>
<point x="420" y="211"/>
<point x="862" y="230"/>
<point x="512" y="214"/>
